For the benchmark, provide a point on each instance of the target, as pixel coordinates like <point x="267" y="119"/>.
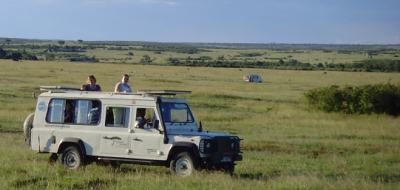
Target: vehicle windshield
<point x="176" y="113"/>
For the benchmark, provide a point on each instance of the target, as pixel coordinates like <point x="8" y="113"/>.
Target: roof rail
<point x="163" y="92"/>
<point x="58" y="88"/>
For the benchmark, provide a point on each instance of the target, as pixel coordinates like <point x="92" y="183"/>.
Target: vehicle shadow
<point x="258" y="176"/>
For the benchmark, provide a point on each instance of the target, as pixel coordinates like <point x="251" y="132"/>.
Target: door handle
<point x="112" y="138"/>
<point x="136" y="139"/>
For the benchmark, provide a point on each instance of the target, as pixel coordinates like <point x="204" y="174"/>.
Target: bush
<point x="380" y="98"/>
<point x="146" y="59"/>
<point x="3" y="54"/>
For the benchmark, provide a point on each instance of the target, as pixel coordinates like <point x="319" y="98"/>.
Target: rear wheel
<point x="71" y="157"/>
<point x="183" y="164"/>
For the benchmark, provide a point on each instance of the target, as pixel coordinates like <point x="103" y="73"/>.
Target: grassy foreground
<point x="286" y="146"/>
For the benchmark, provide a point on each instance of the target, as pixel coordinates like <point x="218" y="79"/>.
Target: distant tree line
<point x="372" y="65"/>
<point x="16" y="55"/>
<point x="54" y="48"/>
<point x="379" y="98"/>
<point x="81" y="58"/>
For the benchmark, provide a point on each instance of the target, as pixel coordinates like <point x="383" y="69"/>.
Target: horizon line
<point x="197" y="42"/>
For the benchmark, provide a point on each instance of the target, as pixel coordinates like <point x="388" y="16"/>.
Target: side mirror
<point x="200" y="127"/>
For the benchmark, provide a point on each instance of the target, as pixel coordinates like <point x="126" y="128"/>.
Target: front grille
<point x="226" y="145"/>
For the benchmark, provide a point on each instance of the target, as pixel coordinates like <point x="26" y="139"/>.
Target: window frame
<point x="74" y="99"/>
<point x="155" y="115"/>
<point x="128" y="124"/>
<point x="188" y="108"/>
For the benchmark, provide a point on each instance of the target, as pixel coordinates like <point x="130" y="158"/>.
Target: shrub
<point x="146" y="59"/>
<point x="3" y="54"/>
<point x="379" y="98"/>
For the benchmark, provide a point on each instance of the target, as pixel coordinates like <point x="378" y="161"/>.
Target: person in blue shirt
<point x="123" y="86"/>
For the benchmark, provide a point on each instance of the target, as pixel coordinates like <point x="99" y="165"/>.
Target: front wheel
<point x="183" y="164"/>
<point x="71" y="157"/>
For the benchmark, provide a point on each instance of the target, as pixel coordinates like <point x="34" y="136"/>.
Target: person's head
<point x="125" y="78"/>
<point x="91" y="80"/>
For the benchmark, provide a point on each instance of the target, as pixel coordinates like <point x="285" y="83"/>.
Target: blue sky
<point x="254" y="21"/>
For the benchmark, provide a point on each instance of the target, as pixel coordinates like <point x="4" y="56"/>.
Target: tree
<point x="61" y="42"/>
<point x="3" y="54"/>
<point x="16" y="56"/>
<point x="146" y="59"/>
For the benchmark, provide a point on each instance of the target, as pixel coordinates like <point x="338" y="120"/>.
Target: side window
<point x="55" y="112"/>
<point x="80" y="112"/>
<point x="117" y="117"/>
<point x="146" y="118"/>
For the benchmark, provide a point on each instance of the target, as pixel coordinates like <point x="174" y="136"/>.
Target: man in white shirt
<point x="123" y="86"/>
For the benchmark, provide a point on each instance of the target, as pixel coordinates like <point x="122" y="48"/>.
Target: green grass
<point x="312" y="54"/>
<point x="306" y="56"/>
<point x="286" y="145"/>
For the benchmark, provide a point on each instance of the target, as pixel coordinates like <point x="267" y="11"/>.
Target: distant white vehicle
<point x="145" y="128"/>
<point x="253" y="78"/>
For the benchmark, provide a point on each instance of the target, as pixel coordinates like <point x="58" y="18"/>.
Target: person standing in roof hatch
<point x="91" y="84"/>
<point x="123" y="86"/>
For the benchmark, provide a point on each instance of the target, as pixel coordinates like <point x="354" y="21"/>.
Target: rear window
<point x="74" y="111"/>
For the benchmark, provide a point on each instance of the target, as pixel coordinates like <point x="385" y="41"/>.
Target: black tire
<point x="71" y="157"/>
<point x="183" y="164"/>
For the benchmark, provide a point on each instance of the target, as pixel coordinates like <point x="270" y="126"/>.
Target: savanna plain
<point x="286" y="144"/>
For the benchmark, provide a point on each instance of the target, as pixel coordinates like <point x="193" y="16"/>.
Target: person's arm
<point x="99" y="87"/>
<point x="116" y="89"/>
<point x="130" y="88"/>
<point x="83" y="87"/>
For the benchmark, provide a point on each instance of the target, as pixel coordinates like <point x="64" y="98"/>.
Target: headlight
<point x="205" y="145"/>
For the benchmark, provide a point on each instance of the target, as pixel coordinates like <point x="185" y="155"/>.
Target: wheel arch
<point x="183" y="147"/>
<point x="71" y="141"/>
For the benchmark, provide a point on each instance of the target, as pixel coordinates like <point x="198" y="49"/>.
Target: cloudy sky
<point x="255" y="21"/>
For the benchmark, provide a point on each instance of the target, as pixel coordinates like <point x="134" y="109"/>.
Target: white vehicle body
<point x="118" y="132"/>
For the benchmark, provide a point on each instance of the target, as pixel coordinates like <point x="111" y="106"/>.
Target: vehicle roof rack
<point x="163" y="92"/>
<point x="58" y="88"/>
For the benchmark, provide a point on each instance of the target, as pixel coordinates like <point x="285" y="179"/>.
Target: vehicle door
<point x="146" y="137"/>
<point x="115" y="135"/>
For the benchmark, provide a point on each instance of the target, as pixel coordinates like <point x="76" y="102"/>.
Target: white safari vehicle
<point x="253" y="78"/>
<point x="78" y="127"/>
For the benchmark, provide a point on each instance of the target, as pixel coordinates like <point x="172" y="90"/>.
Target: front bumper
<point x="224" y="149"/>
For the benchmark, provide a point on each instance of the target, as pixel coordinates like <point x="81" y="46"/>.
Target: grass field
<point x="306" y="56"/>
<point x="161" y="53"/>
<point x="286" y="145"/>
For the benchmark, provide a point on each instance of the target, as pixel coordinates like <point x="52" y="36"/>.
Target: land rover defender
<point x="147" y="127"/>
